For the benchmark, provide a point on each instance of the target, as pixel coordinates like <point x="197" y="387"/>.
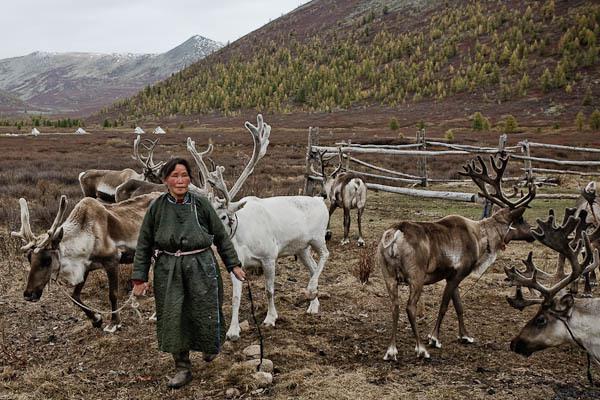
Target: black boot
<point x="183" y="368"/>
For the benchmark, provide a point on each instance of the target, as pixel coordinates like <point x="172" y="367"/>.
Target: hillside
<point x="342" y="56"/>
<point x="78" y="83"/>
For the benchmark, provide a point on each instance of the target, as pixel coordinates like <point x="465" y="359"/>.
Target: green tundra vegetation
<point x="477" y="47"/>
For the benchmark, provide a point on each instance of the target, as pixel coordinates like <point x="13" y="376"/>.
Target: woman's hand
<point x="239" y="273"/>
<point x="139" y="289"/>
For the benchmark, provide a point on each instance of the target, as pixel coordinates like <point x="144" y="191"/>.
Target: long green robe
<point x="188" y="289"/>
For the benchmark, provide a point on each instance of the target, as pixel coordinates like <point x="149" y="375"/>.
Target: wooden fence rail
<point x="422" y="150"/>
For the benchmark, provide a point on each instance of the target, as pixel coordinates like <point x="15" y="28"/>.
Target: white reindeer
<point x="262" y="230"/>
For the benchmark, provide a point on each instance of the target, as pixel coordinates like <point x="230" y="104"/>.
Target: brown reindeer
<point x="346" y="190"/>
<point x="422" y="253"/>
<point x="102" y="183"/>
<point x="561" y="318"/>
<point x="136" y="187"/>
<point x="93" y="236"/>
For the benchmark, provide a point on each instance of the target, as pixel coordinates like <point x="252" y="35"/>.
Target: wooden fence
<point x="424" y="149"/>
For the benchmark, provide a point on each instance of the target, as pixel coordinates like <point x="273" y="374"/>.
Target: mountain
<point x="79" y="83"/>
<point x="346" y="55"/>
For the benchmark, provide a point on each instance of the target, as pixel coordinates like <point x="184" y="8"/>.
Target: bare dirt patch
<point x="49" y="350"/>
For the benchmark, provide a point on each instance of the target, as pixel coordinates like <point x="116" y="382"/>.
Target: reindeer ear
<point x="235" y="207"/>
<point x="56" y="238"/>
<point x="563" y="305"/>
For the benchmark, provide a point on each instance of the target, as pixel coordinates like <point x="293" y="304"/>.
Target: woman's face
<point x="178" y="181"/>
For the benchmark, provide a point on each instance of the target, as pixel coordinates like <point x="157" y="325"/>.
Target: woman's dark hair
<point x="166" y="170"/>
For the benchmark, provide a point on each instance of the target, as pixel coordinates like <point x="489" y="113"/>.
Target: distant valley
<point x="80" y="83"/>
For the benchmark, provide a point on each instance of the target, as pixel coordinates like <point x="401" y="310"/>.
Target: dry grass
<point x="366" y="263"/>
<point x="50" y="350"/>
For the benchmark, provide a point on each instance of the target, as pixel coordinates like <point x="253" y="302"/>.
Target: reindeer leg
<point x="233" y="333"/>
<point x="315" y="272"/>
<point x="76" y="297"/>
<point x="463" y="335"/>
<point x="411" y="310"/>
<point x="435" y="333"/>
<point x="112" y="271"/>
<point x="345" y="240"/>
<point x="332" y="208"/>
<point x="593" y="279"/>
<point x="361" y="241"/>
<point x="392" y="288"/>
<point x="269" y="271"/>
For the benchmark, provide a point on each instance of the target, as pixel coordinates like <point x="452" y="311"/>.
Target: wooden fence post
<point x="502" y="145"/>
<point x="313" y="140"/>
<point x="422" y="161"/>
<point x="528" y="171"/>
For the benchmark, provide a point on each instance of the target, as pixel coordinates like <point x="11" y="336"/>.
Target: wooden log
<point x="564" y="172"/>
<point x="456" y="196"/>
<point x="471" y="149"/>
<point x="379" y="146"/>
<point x="558" y="162"/>
<point x="389" y="171"/>
<point x="329" y="149"/>
<point x="562" y="147"/>
<point x="389" y="178"/>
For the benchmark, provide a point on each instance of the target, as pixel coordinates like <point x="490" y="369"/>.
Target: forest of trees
<point x="481" y="47"/>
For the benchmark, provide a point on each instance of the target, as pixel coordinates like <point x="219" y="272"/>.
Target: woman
<point x="178" y="230"/>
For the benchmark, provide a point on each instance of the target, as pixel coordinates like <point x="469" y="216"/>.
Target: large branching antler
<point x="323" y="161"/>
<point x="146" y="161"/>
<point x="260" y="136"/>
<point x="199" y="158"/>
<point x="482" y="179"/>
<point x="557" y="238"/>
<point x="62" y="209"/>
<point x="25" y="233"/>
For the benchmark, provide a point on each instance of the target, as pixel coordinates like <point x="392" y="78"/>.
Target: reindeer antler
<point x="557" y="238"/>
<point x="260" y="136"/>
<point x="481" y="177"/>
<point x="62" y="209"/>
<point x="199" y="158"/>
<point x="216" y="179"/>
<point x="25" y="233"/>
<point x="146" y="161"/>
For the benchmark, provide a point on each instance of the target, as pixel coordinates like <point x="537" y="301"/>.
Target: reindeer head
<point x="150" y="170"/>
<point x="548" y="327"/>
<point x="329" y="179"/>
<point x="511" y="212"/>
<point x="42" y="251"/>
<point x="221" y="202"/>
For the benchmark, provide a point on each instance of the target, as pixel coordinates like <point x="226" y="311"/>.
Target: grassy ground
<point x="49" y="350"/>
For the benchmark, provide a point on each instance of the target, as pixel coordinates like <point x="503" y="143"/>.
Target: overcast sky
<point x="128" y="26"/>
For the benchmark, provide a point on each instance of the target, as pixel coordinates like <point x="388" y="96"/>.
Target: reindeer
<point x="262" y="230"/>
<point x="585" y="203"/>
<point x="422" y="253"/>
<point x="136" y="187"/>
<point x="561" y="318"/>
<point x="102" y="183"/>
<point x="346" y="190"/>
<point x="93" y="236"/>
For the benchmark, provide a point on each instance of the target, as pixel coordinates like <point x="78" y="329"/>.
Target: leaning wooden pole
<point x="313" y="140"/>
<point x="422" y="161"/>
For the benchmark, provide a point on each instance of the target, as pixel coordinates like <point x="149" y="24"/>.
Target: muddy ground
<point x="50" y="350"/>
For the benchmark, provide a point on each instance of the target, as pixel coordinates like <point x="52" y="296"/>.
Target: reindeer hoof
<point x="97" y="321"/>
<point x="233" y="336"/>
<point x="434" y="342"/>
<point x="269" y="321"/>
<point x="391" y="354"/>
<point x="112" y="328"/>
<point x="313" y="308"/>
<point x="422" y="352"/>
<point x="152" y="317"/>
<point x="345" y="242"/>
<point x="466" y="339"/>
<point x="586" y="295"/>
<point x="361" y="242"/>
